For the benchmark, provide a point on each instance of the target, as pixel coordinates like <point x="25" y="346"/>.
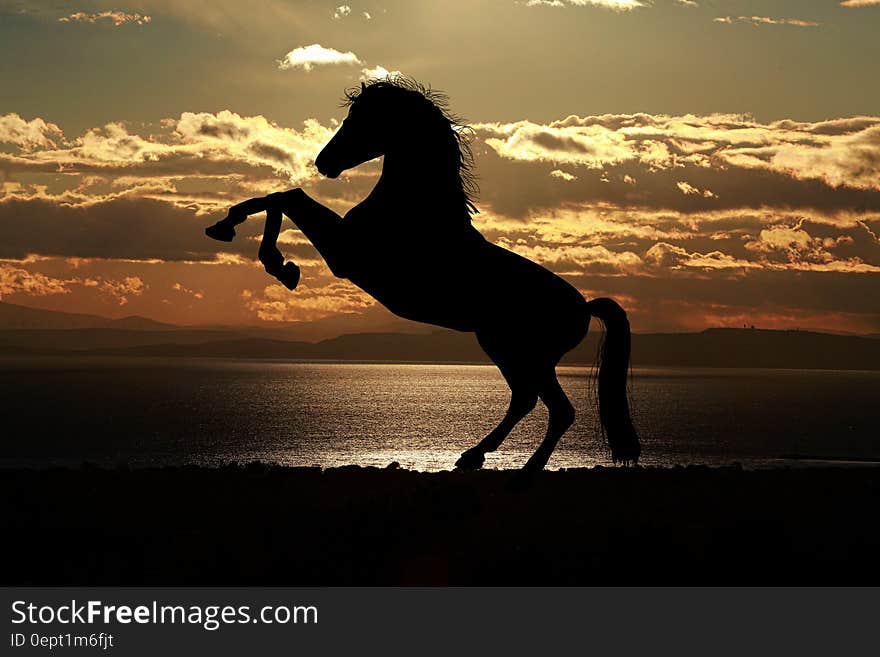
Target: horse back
<point x="465" y="283"/>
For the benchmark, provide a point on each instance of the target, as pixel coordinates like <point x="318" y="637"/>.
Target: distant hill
<point x="26" y="331"/>
<point x="94" y="340"/>
<point x="439" y="347"/>
<point x="712" y="348"/>
<point x="757" y="348"/>
<point x="13" y="316"/>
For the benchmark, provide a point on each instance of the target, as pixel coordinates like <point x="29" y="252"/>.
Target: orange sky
<point x="701" y="184"/>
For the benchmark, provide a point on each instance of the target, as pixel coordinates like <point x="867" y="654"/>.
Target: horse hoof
<point x="470" y="460"/>
<point x="221" y="231"/>
<point x="289" y="275"/>
<point x="626" y="456"/>
<point x="626" y="449"/>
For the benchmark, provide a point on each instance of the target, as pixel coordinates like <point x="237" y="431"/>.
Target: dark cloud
<point x="137" y="229"/>
<point x="518" y="188"/>
<point x="271" y="153"/>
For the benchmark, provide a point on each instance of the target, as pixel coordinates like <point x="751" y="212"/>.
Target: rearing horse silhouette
<point x="411" y="245"/>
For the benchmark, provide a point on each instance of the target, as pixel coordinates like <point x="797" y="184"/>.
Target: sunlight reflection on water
<point x="162" y="411"/>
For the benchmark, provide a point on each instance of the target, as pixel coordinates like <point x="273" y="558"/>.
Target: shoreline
<point x="52" y="358"/>
<point x="746" y="464"/>
<point x="268" y="525"/>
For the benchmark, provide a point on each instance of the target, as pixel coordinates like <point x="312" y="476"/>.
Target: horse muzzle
<point x="327" y="169"/>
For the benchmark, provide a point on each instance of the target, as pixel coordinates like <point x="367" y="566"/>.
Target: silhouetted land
<point x="302" y="526"/>
<point x="13" y="316"/>
<point x="32" y="332"/>
<point x="711" y="348"/>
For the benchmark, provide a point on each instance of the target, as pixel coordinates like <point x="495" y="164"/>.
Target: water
<point x="210" y="412"/>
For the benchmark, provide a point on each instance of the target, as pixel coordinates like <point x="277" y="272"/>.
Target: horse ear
<point x="363" y="87"/>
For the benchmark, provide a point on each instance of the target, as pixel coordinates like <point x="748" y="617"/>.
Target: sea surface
<point x="144" y="412"/>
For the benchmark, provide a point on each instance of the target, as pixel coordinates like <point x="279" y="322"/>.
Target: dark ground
<point x="262" y="525"/>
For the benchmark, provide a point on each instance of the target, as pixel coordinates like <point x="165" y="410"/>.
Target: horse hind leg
<point x="523" y="400"/>
<point x="562" y="416"/>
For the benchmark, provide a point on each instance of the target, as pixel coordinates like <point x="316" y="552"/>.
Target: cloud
<point x="255" y="140"/>
<point x="616" y="5"/>
<point x="870" y="232"/>
<point x="120" y="290"/>
<point x="806" y="252"/>
<point x="672" y="256"/>
<point x="36" y="133"/>
<point x="307" y="57"/>
<point x="277" y="304"/>
<point x="343" y="11"/>
<point x="653" y="208"/>
<point x="231" y="18"/>
<point x="687" y="189"/>
<point x="210" y="145"/>
<point x="195" y="294"/>
<point x="563" y="175"/>
<point x="792" y="239"/>
<point x="859" y="3"/>
<point x="840" y="160"/>
<point x="732" y="160"/>
<point x="589" y="145"/>
<point x="377" y="73"/>
<point x="15" y="280"/>
<point x="201" y="160"/>
<point x="579" y="258"/>
<point x="116" y="17"/>
<point x="766" y="20"/>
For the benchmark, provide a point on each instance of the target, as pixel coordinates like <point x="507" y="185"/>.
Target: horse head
<point x="397" y="115"/>
<point x="358" y="140"/>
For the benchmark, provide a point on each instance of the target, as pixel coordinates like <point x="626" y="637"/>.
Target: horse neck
<point x="412" y="174"/>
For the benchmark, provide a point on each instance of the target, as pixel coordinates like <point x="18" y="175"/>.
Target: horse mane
<point x="467" y="179"/>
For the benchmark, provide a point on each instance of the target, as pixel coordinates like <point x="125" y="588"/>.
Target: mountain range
<point x="31" y="332"/>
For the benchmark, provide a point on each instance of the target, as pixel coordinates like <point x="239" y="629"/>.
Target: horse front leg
<point x="321" y="226"/>
<point x="325" y="229"/>
<point x="273" y="261"/>
<point x="224" y="230"/>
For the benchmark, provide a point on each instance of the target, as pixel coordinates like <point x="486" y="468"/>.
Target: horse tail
<point x="614" y="352"/>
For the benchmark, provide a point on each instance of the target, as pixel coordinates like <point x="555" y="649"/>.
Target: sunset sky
<point x="705" y="162"/>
